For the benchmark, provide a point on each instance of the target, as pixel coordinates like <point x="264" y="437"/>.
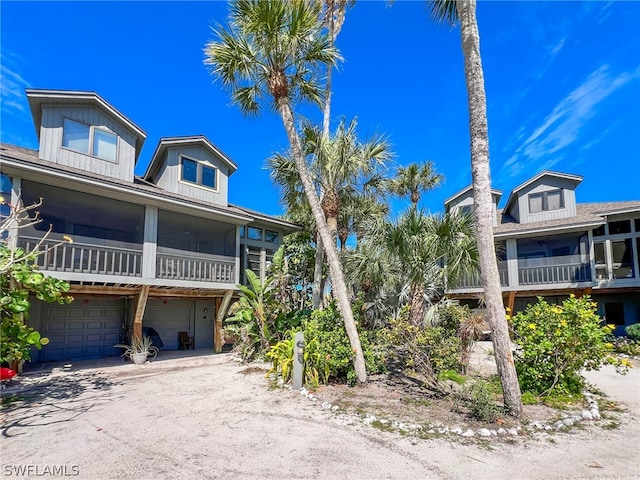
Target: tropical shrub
<point x="633" y="331"/>
<point x="328" y="354"/>
<point x="556" y="342"/>
<point x="20" y="278"/>
<point x="443" y="345"/>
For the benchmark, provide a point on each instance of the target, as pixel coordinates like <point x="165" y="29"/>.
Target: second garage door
<point x="84" y="329"/>
<point x="168" y="317"/>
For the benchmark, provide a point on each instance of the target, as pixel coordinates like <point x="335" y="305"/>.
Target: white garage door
<point x="168" y="317"/>
<point x="84" y="329"/>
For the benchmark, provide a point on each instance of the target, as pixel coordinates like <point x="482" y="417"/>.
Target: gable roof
<point x="199" y="140"/>
<point x="576" y="179"/>
<point x="38" y="97"/>
<point x="494" y="192"/>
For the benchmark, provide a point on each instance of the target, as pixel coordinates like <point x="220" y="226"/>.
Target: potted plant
<point x="139" y="350"/>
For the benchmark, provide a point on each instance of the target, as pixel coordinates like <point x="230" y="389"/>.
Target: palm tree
<point x="427" y="251"/>
<point x="345" y="169"/>
<point x="464" y="11"/>
<point x="414" y="179"/>
<point x="277" y="50"/>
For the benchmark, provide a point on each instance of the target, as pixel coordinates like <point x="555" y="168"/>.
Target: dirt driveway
<point x="209" y="417"/>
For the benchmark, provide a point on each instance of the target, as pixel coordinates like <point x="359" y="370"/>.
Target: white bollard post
<point x="298" y="360"/>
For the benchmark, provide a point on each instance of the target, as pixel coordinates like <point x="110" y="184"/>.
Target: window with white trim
<point x="200" y="173"/>
<point x="89" y="140"/>
<point x="544" y="201"/>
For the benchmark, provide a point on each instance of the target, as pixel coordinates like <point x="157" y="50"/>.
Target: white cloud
<point x="562" y="126"/>
<point x="12" y="84"/>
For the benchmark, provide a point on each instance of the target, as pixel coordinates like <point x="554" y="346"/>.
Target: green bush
<point x="443" y="345"/>
<point x="328" y="354"/>
<point x="481" y="402"/>
<point x="633" y="331"/>
<point x="556" y="342"/>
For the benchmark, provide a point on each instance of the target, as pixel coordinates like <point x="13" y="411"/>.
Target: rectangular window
<point x="623" y="226"/>
<point x="598" y="232"/>
<point x="270" y="236"/>
<point x="614" y="313"/>
<point x="466" y="210"/>
<point x="75" y="136"/>
<point x="535" y="203"/>
<point x="242" y="231"/>
<point x="622" y="255"/>
<point x="545" y="201"/>
<point x="601" y="261"/>
<point x="254" y="233"/>
<point x="189" y="171"/>
<point x="208" y="176"/>
<point x="637" y="224"/>
<point x="105" y="144"/>
<point x="194" y="171"/>
<point x="85" y="139"/>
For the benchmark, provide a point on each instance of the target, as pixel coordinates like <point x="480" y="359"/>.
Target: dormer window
<point x="199" y="173"/>
<point x="84" y="139"/>
<point x="545" y="201"/>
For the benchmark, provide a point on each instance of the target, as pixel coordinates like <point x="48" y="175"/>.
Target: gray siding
<point x="51" y="142"/>
<point x="542" y="185"/>
<point x="467" y="199"/>
<point x="168" y="176"/>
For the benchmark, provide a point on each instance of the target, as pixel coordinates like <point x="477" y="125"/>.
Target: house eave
<point x="536" y="232"/>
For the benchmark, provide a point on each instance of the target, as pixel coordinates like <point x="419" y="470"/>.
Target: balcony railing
<point x="195" y="267"/>
<point x="560" y="269"/>
<point x="84" y="258"/>
<point x="475" y="281"/>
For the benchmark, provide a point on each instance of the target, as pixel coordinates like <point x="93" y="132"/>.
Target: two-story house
<point x="163" y="250"/>
<point x="549" y="245"/>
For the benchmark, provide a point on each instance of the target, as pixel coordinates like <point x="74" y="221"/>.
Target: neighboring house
<point x="165" y="250"/>
<point x="549" y="245"/>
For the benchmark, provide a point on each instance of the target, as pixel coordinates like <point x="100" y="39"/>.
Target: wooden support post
<point x="222" y="304"/>
<point x="582" y="292"/>
<point x="510" y="301"/>
<point x="141" y="303"/>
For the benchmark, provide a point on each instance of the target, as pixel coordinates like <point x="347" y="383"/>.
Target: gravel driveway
<point x="209" y="417"/>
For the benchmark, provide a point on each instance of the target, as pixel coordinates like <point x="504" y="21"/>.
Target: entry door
<point x="205" y="319"/>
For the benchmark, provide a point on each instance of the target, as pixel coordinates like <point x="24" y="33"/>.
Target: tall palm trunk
<point x="337" y="276"/>
<point x="416" y="308"/>
<point x="316" y="293"/>
<point x="478" y="130"/>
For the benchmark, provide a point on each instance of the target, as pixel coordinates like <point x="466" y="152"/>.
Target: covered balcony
<point x="562" y="259"/>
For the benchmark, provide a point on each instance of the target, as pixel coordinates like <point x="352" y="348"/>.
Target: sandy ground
<point x="209" y="417"/>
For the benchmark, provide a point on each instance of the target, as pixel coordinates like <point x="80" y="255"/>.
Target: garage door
<point x="168" y="317"/>
<point x="85" y="329"/>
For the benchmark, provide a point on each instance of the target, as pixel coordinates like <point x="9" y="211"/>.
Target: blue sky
<point x="562" y="81"/>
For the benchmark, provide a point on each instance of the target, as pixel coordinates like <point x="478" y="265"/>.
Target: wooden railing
<point x="84" y="258"/>
<point x="475" y="281"/>
<point x="553" y="270"/>
<point x="195" y="267"/>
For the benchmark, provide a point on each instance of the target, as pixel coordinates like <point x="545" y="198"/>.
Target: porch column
<point x="16" y="202"/>
<point x="238" y="275"/>
<point x="512" y="262"/>
<point x="592" y="255"/>
<point x="222" y="304"/>
<point x="141" y="304"/>
<point x="263" y="264"/>
<point x="149" y="249"/>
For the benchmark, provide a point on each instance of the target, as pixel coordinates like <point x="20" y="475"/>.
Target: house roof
<point x="199" y="140"/>
<point x="546" y="173"/>
<point x="494" y="192"/>
<point x="16" y="158"/>
<point x="588" y="215"/>
<point x="38" y="97"/>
